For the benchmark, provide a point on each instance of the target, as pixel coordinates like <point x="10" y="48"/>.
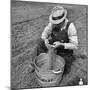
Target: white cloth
<point x="72" y="34"/>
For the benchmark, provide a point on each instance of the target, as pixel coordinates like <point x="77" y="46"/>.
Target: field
<point x="28" y="19"/>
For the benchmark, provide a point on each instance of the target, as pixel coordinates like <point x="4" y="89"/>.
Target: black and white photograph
<point x="49" y="44"/>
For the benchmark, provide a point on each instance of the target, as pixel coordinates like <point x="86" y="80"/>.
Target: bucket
<point x="44" y="75"/>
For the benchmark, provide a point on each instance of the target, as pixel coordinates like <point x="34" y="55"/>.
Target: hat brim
<point x="59" y="20"/>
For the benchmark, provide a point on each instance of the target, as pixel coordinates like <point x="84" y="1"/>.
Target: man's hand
<point x="56" y="44"/>
<point x="47" y="43"/>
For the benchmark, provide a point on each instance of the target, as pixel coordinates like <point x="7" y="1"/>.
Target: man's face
<point x="60" y="24"/>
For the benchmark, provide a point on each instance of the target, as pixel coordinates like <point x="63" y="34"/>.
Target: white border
<point x="5" y="43"/>
<point x="61" y="1"/>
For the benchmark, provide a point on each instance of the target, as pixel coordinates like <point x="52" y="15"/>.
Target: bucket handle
<point x="57" y="72"/>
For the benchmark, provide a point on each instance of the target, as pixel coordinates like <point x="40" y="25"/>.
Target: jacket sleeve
<point x="73" y="38"/>
<point x="46" y="32"/>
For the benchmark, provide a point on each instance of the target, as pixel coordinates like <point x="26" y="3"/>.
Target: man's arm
<point x="46" y="32"/>
<point x="73" y="39"/>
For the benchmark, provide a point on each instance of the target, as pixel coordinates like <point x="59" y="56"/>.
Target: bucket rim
<point x="42" y="68"/>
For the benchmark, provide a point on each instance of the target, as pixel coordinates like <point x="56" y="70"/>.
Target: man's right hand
<point x="47" y="43"/>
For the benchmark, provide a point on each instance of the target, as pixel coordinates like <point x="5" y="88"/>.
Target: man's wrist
<point x="63" y="45"/>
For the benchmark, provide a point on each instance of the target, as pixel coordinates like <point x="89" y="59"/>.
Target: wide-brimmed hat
<point x="58" y="15"/>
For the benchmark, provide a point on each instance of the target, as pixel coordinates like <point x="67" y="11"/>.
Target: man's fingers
<point x="54" y="43"/>
<point x="54" y="46"/>
<point x="51" y="45"/>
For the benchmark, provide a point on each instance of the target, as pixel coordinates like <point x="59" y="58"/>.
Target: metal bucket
<point x="44" y="76"/>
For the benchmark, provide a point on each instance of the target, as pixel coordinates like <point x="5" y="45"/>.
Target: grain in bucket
<point x="44" y="74"/>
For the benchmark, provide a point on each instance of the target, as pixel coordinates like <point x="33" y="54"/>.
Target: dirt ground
<point x="28" y="19"/>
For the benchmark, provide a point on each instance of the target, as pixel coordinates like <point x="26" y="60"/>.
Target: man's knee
<point x="41" y="48"/>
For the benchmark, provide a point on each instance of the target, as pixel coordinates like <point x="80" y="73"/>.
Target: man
<point x="60" y="34"/>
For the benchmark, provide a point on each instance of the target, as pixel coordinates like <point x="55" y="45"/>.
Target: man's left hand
<point x="56" y="44"/>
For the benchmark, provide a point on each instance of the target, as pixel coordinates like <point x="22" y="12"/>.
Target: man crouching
<point x="61" y="34"/>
